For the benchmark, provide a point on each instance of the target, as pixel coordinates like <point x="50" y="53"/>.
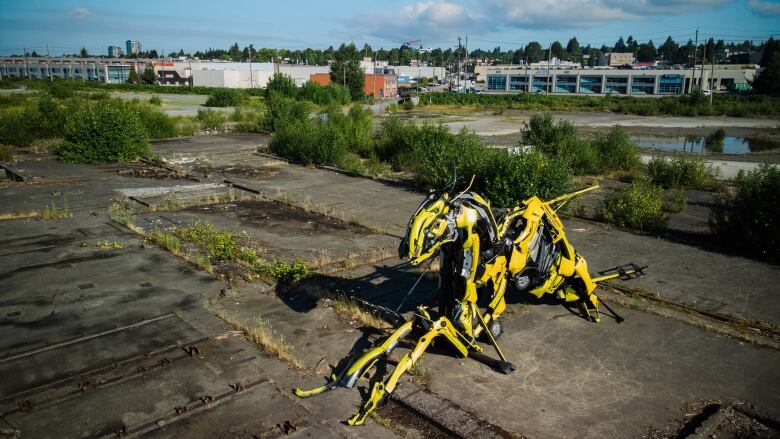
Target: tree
<point x="345" y="69"/>
<point x="533" y="51"/>
<point x="34" y="54"/>
<point x="153" y="54"/>
<point x="557" y="50"/>
<point x="235" y="52"/>
<point x="631" y="45"/>
<point x="573" y="49"/>
<point x="768" y="80"/>
<point x="83" y="52"/>
<point x="132" y="78"/>
<point x="620" y="45"/>
<point x="148" y="76"/>
<point x="181" y="52"/>
<point x="646" y="51"/>
<point x="281" y="84"/>
<point x="668" y="50"/>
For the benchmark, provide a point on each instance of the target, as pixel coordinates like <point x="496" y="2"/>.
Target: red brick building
<point x="382" y="86"/>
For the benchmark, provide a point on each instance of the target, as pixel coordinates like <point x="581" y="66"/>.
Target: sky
<point x="67" y="25"/>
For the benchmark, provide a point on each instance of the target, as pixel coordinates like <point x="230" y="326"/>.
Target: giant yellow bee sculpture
<point x="481" y="251"/>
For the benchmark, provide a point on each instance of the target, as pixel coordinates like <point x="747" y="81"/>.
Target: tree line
<point x="670" y="52"/>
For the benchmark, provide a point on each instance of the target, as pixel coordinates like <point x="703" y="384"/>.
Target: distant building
<point x="379" y="85"/>
<point x="133" y="47"/>
<point x="517" y="79"/>
<point x="115" y="52"/>
<point x="617" y="59"/>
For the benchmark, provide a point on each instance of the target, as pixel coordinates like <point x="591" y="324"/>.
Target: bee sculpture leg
<point x="380" y="390"/>
<point x="362" y="365"/>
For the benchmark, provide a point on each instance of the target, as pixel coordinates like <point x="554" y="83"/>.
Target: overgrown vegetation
<point x="638" y="207"/>
<point x="351" y="309"/>
<point x="285" y="271"/>
<point x="714" y="141"/>
<point x="610" y="151"/>
<point x="104" y="132"/>
<point x="748" y="221"/>
<point x="167" y="240"/>
<point x="737" y="106"/>
<point x="682" y="172"/>
<point x="225" y="97"/>
<point x="211" y="119"/>
<point x="52" y="212"/>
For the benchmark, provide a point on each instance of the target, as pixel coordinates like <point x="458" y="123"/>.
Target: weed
<point x="166" y="240"/>
<point x="349" y="308"/>
<point x="122" y="211"/>
<point x="284" y="271"/>
<point x="676" y="202"/>
<point x="224" y="97"/>
<point x="53" y="213"/>
<point x="219" y="244"/>
<point x="155" y="100"/>
<point x="203" y="262"/>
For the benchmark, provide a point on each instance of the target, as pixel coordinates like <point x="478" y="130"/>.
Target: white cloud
<point x="79" y="13"/>
<point x="438" y="18"/>
<point x="764" y="7"/>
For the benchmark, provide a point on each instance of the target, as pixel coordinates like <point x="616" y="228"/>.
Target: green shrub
<point x="547" y="136"/>
<point x="62" y="89"/>
<point x="104" y="132"/>
<point x="6" y="154"/>
<point x="749" y="221"/>
<point x="616" y="151"/>
<point x="282" y="111"/>
<point x="356" y="127"/>
<point x="714" y="141"/>
<point x="682" y="172"/>
<point x="155" y="100"/>
<point x="310" y="141"/>
<point x="407" y="105"/>
<point x="281" y="84"/>
<point x="185" y="125"/>
<point x="167" y="241"/>
<point x="508" y="179"/>
<point x="325" y="95"/>
<point x="20" y="127"/>
<point x="157" y="124"/>
<point x="638" y="207"/>
<point x="211" y="119"/>
<point x="225" y="97"/>
<point x="99" y="96"/>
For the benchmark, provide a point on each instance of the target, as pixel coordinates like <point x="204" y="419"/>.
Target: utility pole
<point x="466" y="64"/>
<point x="48" y="61"/>
<point x="26" y="66"/>
<point x="693" y="69"/>
<point x="712" y="77"/>
<point x="549" y="60"/>
<point x="703" y="60"/>
<point x="458" y="79"/>
<point x="250" y="66"/>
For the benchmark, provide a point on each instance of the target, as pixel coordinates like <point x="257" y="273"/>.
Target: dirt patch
<point x="142" y="170"/>
<point x="242" y="171"/>
<point x="267" y="214"/>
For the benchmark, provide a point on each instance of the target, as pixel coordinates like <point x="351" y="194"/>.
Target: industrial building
<point x="169" y="72"/>
<point x="379" y="85"/>
<point x="616" y="59"/>
<point x="516" y="79"/>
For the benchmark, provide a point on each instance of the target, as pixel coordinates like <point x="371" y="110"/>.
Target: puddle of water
<point x="731" y="144"/>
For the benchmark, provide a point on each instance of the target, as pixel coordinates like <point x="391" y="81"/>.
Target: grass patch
<point x="167" y="240"/>
<point x="122" y="211"/>
<point x="225" y="97"/>
<point x="351" y="309"/>
<point x="52" y="212"/>
<point x="155" y="100"/>
<point x="262" y="334"/>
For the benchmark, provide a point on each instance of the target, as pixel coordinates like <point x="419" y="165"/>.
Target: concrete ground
<point x="106" y="340"/>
